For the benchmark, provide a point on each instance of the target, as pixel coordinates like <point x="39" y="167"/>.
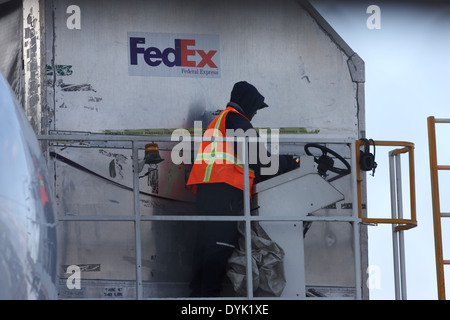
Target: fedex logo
<point x="161" y="54"/>
<point x="179" y="56"/>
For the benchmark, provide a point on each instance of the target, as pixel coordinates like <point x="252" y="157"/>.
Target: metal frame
<point x="437" y="214"/>
<point x="399" y="223"/>
<point x="137" y="142"/>
<point x="398" y="240"/>
<point x="403" y="224"/>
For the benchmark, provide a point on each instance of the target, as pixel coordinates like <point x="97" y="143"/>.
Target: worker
<point x="218" y="186"/>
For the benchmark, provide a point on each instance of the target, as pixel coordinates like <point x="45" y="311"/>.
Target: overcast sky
<point x="407" y="63"/>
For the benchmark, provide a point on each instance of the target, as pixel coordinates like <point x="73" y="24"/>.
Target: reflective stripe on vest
<point x="212" y="154"/>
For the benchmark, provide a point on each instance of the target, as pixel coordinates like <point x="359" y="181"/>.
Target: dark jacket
<point x="246" y="99"/>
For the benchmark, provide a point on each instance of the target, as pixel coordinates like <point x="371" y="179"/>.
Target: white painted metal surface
<point x="312" y="81"/>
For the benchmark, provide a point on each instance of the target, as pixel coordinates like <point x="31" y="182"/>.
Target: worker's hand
<point x="293" y="162"/>
<point x="296" y="161"/>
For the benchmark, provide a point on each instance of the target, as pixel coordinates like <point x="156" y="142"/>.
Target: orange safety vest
<point x="216" y="161"/>
<point x="44" y="196"/>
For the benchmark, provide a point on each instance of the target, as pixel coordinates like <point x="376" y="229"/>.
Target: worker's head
<point x="248" y="98"/>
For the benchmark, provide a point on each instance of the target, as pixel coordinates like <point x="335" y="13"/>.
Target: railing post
<point x="436" y="208"/>
<point x="137" y="221"/>
<point x="248" y="235"/>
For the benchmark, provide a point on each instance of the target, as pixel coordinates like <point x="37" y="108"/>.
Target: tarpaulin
<point x="267" y="264"/>
<point x="11" y="45"/>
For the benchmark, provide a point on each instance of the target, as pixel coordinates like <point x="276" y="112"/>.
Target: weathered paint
<point x="33" y="61"/>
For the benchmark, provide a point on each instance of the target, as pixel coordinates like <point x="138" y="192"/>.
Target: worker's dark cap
<point x="263" y="105"/>
<point x="247" y="97"/>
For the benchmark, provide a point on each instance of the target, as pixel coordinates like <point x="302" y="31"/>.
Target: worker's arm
<point x="285" y="162"/>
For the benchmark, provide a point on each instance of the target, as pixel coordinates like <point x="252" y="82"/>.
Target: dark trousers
<point x="215" y="240"/>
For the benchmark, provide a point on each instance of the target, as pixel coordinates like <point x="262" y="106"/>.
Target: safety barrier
<point x="403" y="224"/>
<point x="136" y="143"/>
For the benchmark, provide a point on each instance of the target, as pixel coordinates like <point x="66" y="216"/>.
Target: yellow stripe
<point x="213" y="148"/>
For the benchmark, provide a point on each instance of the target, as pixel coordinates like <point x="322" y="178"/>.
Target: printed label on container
<point x="173" y="55"/>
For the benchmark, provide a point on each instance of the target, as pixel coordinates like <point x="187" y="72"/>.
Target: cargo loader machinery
<point x="114" y="89"/>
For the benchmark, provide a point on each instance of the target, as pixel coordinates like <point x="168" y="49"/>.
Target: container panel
<point x="275" y="45"/>
<point x="134" y="67"/>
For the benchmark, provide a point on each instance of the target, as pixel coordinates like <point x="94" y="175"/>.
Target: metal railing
<point x="136" y="143"/>
<point x="402" y="224"/>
